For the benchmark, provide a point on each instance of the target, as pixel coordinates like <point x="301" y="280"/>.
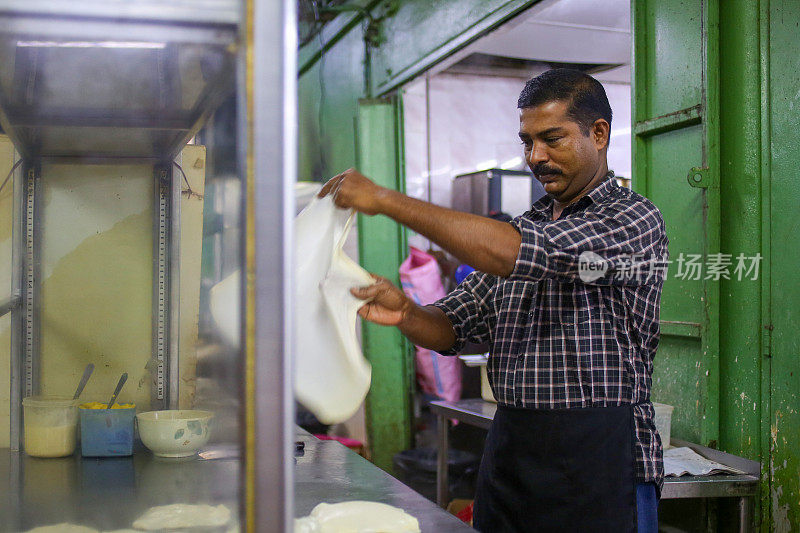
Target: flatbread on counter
<point x="356" y="517"/>
<point x="64" y="527"/>
<point x="182" y="515"/>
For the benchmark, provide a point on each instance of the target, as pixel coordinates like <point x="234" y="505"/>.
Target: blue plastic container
<point x="107" y="432"/>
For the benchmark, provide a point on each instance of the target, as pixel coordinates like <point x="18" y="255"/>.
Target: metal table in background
<point x="480" y="413"/>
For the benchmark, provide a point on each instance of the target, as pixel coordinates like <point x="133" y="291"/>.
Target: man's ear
<point x="600" y="132"/>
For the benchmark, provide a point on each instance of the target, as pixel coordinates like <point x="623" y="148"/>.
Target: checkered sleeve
<point x="627" y="247"/>
<point x="467" y="308"/>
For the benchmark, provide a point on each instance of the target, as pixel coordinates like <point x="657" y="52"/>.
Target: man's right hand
<point x="425" y="326"/>
<point x="353" y="190"/>
<point x="388" y="305"/>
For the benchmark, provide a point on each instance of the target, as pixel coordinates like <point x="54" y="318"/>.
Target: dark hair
<point x="585" y="96"/>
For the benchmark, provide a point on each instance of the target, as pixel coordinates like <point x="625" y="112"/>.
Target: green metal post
<point x="740" y="191"/>
<point x="784" y="258"/>
<point x="382" y="247"/>
<point x="766" y="291"/>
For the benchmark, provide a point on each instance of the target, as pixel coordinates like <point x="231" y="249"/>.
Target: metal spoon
<point x="122" y="379"/>
<point x="86" y="374"/>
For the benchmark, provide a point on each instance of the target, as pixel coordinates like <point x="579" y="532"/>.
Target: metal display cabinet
<point x="107" y="82"/>
<point x="80" y="89"/>
<point x="496" y="190"/>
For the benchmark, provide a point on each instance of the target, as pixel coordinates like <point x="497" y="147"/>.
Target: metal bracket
<point x="31" y="281"/>
<point x="164" y="364"/>
<point x="161" y="300"/>
<point x="698" y="177"/>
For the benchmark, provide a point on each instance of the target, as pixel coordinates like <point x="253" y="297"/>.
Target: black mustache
<point x="541" y="169"/>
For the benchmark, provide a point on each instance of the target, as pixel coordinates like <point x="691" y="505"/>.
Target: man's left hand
<point x="353" y="190"/>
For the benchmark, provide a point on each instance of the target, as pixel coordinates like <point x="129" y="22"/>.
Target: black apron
<point x="558" y="470"/>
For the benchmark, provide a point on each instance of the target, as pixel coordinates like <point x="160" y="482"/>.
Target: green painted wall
<point x="335" y="83"/>
<point x="423" y="32"/>
<point x="783" y="99"/>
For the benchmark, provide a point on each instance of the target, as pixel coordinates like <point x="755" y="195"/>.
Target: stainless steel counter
<point x="107" y="493"/>
<point x="329" y="472"/>
<point x="110" y="493"/>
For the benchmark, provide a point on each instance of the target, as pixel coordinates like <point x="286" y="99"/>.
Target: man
<point x="568" y="297"/>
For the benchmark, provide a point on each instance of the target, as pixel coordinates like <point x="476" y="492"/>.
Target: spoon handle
<point x="86" y="374"/>
<point x="123" y="378"/>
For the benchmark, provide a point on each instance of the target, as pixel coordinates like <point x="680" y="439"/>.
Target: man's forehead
<point x="549" y="115"/>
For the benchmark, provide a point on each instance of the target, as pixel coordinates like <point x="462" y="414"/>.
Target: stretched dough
<point x="181" y="515"/>
<point x="332" y="376"/>
<point x="357" y="517"/>
<point x="224" y="306"/>
<point x="224" y="303"/>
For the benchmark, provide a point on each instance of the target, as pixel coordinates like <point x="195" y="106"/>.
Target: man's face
<point x="561" y="156"/>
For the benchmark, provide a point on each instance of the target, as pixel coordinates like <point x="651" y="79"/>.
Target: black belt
<point x="558" y="470"/>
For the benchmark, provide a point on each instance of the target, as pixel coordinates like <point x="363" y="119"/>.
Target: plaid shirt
<point x="558" y="341"/>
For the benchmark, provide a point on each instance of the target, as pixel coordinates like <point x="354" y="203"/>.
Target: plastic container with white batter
<point x="50" y="426"/>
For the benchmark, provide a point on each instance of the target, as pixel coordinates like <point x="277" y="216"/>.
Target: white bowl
<point x="174" y="433"/>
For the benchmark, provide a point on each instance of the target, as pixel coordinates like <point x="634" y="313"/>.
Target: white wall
<point x="473" y="122"/>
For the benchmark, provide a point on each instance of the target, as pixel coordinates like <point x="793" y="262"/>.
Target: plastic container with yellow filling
<point x="101" y="405"/>
<point x="107" y="432"/>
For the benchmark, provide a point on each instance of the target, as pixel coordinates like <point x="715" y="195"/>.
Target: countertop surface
<point x="329" y="472"/>
<point x="110" y="493"/>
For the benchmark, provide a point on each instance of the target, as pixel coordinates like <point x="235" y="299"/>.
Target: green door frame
<point x="706" y="177"/>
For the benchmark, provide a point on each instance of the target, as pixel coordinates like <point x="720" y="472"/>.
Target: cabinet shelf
<point x="75" y="83"/>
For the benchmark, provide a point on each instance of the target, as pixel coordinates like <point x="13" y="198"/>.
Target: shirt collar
<point x="544" y="205"/>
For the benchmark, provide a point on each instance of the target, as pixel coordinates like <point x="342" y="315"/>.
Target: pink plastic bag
<point x="422" y="282"/>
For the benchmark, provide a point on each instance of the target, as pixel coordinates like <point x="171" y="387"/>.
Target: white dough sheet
<point x="356" y="517"/>
<point x="331" y="375"/>
<point x="181" y="516"/>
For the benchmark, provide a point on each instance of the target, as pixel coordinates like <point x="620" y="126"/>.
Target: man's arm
<point x="425" y="326"/>
<point x="630" y="247"/>
<point x="487" y="245"/>
<point x="525" y="250"/>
